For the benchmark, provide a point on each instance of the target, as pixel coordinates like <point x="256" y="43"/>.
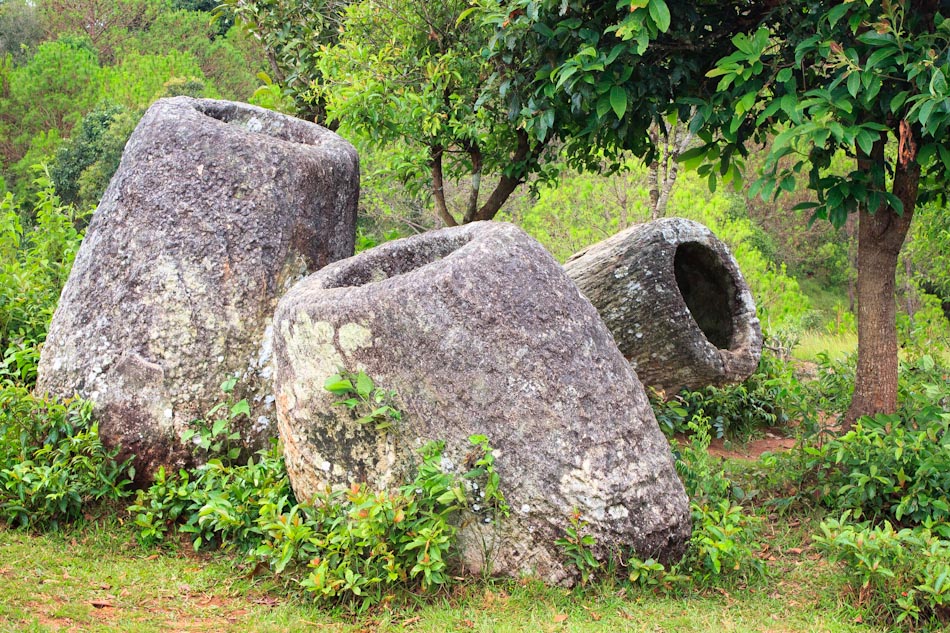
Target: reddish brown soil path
<point x="773" y="442"/>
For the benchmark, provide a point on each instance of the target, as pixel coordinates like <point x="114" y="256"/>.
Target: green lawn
<point x="98" y="579"/>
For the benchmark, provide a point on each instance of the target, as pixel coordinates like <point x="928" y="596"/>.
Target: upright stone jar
<point x="217" y="208"/>
<point x="480" y="331"/>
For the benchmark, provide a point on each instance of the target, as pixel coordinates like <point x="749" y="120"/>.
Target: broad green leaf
<point x="837" y="13"/>
<point x="337" y="384"/>
<point x="938" y="84"/>
<point x="897" y="101"/>
<point x="692" y="157"/>
<point x="240" y="408"/>
<point x="618" y="100"/>
<point x="364" y="384"/>
<point x="944" y="156"/>
<point x="783" y="75"/>
<point x="854" y="83"/>
<point x="660" y="14"/>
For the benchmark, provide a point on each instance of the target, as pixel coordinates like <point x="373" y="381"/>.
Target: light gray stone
<point x="217" y="208"/>
<point x="480" y="331"/>
<point x="675" y="301"/>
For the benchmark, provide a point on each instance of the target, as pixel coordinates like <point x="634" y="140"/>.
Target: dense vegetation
<point x="73" y="89"/>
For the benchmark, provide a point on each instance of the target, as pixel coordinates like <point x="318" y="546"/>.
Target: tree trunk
<point x="673" y="297"/>
<point x="880" y="238"/>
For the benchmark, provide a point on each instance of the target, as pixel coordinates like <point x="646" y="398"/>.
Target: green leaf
<point x="783" y="75"/>
<point x="865" y="141"/>
<point x="240" y="408"/>
<point x="925" y="111"/>
<point x="692" y="157"/>
<point x="337" y="384"/>
<point x="618" y="101"/>
<point x="660" y="14"/>
<point x="897" y="101"/>
<point x="218" y="427"/>
<point x="894" y="202"/>
<point x="944" y="156"/>
<point x="364" y="384"/>
<point x="837" y="13"/>
<point x="938" y="84"/>
<point x="854" y="83"/>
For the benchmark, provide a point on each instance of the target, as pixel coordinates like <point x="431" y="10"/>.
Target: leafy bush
<point x="735" y="411"/>
<point x="889" y="468"/>
<point x="52" y="463"/>
<point x="355" y="542"/>
<point x="349" y="545"/>
<point x="213" y="435"/>
<point x="34" y="266"/>
<point x="902" y="577"/>
<point x="723" y="533"/>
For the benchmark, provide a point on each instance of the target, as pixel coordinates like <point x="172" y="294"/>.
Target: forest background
<point x="76" y="75"/>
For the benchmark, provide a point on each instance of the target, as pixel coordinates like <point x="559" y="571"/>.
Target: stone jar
<point x="479" y="331"/>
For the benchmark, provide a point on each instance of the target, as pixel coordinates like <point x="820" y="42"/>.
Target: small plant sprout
<point x="364" y="399"/>
<point x="213" y="436"/>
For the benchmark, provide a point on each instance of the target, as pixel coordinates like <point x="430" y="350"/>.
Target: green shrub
<point x="723" y="541"/>
<point x="52" y="463"/>
<point x="735" y="411"/>
<point x="355" y="543"/>
<point x="889" y="468"/>
<point x="34" y="266"/>
<point x="346" y="545"/>
<point x="901" y="577"/>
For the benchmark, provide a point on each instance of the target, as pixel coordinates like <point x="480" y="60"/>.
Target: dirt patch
<point x="773" y="442"/>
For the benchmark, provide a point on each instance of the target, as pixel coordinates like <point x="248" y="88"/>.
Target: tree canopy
<point x="803" y="81"/>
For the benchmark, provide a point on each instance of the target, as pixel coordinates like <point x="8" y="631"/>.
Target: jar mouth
<point x="709" y="291"/>
<point x="260" y="121"/>
<point x="395" y="259"/>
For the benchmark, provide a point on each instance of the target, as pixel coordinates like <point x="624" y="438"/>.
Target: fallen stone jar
<point x="675" y="301"/>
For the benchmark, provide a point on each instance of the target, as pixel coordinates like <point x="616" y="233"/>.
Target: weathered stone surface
<point x="673" y="297"/>
<point x="479" y="331"/>
<point x="216" y="209"/>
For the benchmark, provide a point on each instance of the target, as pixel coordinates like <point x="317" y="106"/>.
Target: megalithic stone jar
<point x="479" y="331"/>
<point x="216" y="209"/>
<point x="672" y="295"/>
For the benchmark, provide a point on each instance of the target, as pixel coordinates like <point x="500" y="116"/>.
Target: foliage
<point x="354" y="543"/>
<point x="889" y="467"/>
<point x="368" y="403"/>
<point x="35" y="264"/>
<point x="107" y="24"/>
<point x="80" y="151"/>
<point x="402" y="76"/>
<point x="52" y="464"/>
<point x="21" y="29"/>
<point x="588" y="75"/>
<point x="735" y="411"/>
<point x="347" y="545"/>
<point x="722" y="542"/>
<point x="293" y="34"/>
<point x="63" y="75"/>
<point x="902" y="577"/>
<point x="213" y="435"/>
<point x="577" y="547"/>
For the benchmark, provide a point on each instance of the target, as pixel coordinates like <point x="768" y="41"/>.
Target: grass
<point x="96" y="578"/>
<point x="814" y="342"/>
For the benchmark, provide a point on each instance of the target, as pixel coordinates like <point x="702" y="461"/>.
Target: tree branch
<point x="438" y="190"/>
